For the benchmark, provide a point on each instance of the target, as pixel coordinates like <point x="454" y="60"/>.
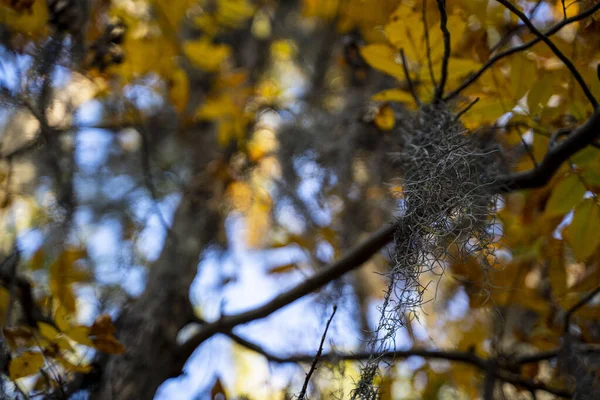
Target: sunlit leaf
<point x="383" y="58"/>
<point x="47" y="330"/>
<point x="179" y="89"/>
<point x="28" y="363"/>
<point x="385" y="119"/>
<point x="395" y="95"/>
<point x="80" y="334"/>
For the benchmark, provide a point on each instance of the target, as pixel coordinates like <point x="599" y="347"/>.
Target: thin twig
<point x="439" y="91"/>
<point x="518" y="49"/>
<point x="313" y="367"/>
<point x="578" y="305"/>
<point x="467" y="108"/>
<point x="564" y="9"/>
<point x="515" y="29"/>
<point x="411" y="87"/>
<point x="554" y="49"/>
<point x="465" y="357"/>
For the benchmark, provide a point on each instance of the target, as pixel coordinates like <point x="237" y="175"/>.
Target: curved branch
<point x="520" y="48"/>
<point x="352" y="260"/>
<point x="556" y="155"/>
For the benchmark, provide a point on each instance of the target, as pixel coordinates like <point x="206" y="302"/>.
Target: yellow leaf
<point x="38" y="259"/>
<point x="179" y="89"/>
<point x="80" y="334"/>
<point x="383" y="58"/>
<point x="565" y="195"/>
<point x="28" y="363"/>
<point x="233" y="13"/>
<point x="206" y="55"/>
<point x="63" y="293"/>
<point x="486" y="111"/>
<point x="240" y="194"/>
<point x="71" y="367"/>
<point x="406" y="31"/>
<point x="215" y="108"/>
<point x="395" y="95"/>
<point x="32" y="22"/>
<point x="582" y="234"/>
<point x="261" y="25"/>
<point x="63" y="273"/>
<point x="385" y="119"/>
<point x="108" y="344"/>
<point x="63" y="343"/>
<point x="47" y="331"/>
<point x="172" y="11"/>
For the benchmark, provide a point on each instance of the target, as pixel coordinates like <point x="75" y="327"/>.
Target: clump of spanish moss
<point x="447" y="210"/>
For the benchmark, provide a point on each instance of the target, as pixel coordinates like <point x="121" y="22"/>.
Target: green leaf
<point x="582" y="234"/>
<point x="522" y="74"/>
<point x="566" y="195"/>
<point x="539" y="94"/>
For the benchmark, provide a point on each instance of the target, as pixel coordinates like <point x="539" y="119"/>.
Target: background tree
<point x="409" y="187"/>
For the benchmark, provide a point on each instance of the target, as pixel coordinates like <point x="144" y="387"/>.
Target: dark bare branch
<point x="568" y="63"/>
<point x="315" y="361"/>
<point x="585" y="300"/>
<point x="537" y="177"/>
<point x="409" y="81"/>
<point x="354" y="259"/>
<point x="439" y="90"/>
<point x="518" y="49"/>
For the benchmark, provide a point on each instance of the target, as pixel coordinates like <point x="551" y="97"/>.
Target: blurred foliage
<point x="164" y="71"/>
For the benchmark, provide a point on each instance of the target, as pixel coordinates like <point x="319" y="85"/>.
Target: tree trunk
<point x="148" y="328"/>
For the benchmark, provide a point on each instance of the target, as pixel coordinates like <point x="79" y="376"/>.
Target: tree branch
<point x="578" y="305"/>
<point x="354" y="259"/>
<point x="409" y="81"/>
<point x="518" y="49"/>
<point x="539" y="176"/>
<point x="448" y="355"/>
<point x="315" y="361"/>
<point x="554" y="49"/>
<point x="439" y="90"/>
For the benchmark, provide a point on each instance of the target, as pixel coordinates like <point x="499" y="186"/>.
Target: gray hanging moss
<point x="447" y="210"/>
